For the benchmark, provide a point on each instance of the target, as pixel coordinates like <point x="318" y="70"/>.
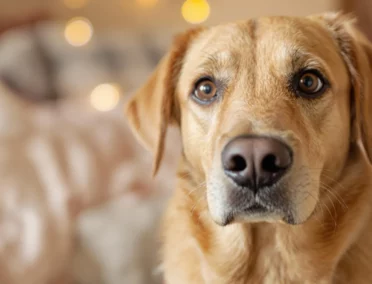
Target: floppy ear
<point x="357" y="53"/>
<point x="153" y="107"/>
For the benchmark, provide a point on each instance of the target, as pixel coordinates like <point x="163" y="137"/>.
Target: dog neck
<point x="278" y="252"/>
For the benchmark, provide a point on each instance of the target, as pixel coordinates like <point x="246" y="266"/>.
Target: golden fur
<point x="328" y="187"/>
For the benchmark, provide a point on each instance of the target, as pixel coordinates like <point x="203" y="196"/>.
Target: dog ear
<point x="153" y="107"/>
<point x="356" y="51"/>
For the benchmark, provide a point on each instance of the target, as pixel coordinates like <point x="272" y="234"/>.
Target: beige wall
<point x="125" y="13"/>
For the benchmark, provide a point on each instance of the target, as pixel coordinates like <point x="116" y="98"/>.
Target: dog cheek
<point x="193" y="142"/>
<point x="306" y="200"/>
<point x="217" y="197"/>
<point x="216" y="208"/>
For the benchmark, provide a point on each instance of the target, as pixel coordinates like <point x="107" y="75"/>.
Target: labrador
<point x="274" y="183"/>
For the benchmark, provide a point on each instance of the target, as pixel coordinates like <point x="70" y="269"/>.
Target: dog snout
<point x="256" y="162"/>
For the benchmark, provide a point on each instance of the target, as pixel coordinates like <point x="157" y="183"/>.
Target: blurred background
<point x="77" y="202"/>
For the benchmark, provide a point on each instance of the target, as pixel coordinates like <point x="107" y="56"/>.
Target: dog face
<point x="267" y="110"/>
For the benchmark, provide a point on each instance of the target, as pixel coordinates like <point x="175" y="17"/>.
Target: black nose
<point x="256" y="162"/>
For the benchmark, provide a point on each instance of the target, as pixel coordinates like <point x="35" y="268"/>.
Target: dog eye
<point x="205" y="91"/>
<point x="310" y="83"/>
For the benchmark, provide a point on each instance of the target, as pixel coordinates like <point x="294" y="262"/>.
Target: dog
<point x="274" y="183"/>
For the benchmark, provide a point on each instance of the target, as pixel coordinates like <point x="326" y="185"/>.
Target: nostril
<point x="256" y="162"/>
<point x="270" y="164"/>
<point x="236" y="164"/>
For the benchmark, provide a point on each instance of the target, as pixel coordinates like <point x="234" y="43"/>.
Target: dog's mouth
<point x="256" y="208"/>
<point x="230" y="204"/>
<point x="254" y="211"/>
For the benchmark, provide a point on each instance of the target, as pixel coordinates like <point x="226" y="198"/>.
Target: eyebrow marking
<point x="302" y="59"/>
<point x="213" y="60"/>
<point x="219" y="61"/>
<point x="297" y="57"/>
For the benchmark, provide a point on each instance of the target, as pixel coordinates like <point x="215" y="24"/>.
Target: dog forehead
<point x="280" y="36"/>
<point x="221" y="41"/>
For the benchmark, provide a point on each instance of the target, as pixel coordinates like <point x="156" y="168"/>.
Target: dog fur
<point x="328" y="188"/>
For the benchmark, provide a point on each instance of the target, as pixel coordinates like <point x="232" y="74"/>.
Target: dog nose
<point x="256" y="162"/>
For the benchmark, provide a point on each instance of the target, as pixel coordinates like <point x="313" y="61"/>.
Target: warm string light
<point x="75" y="4"/>
<point x="105" y="97"/>
<point x="195" y="11"/>
<point x="78" y="31"/>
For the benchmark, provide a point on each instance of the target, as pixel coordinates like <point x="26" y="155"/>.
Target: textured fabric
<point x="77" y="204"/>
<point x="77" y="200"/>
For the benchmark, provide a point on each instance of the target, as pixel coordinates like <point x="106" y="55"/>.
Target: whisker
<point x="330" y="190"/>
<point x="320" y="206"/>
<point x="338" y="198"/>
<point x="196" y="204"/>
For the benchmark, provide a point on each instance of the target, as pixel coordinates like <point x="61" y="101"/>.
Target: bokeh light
<point x="195" y="11"/>
<point x="147" y="3"/>
<point x="105" y="97"/>
<point x="78" y="31"/>
<point x="75" y="4"/>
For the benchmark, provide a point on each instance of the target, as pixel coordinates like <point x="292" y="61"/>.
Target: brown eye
<point x="310" y="83"/>
<point x="205" y="91"/>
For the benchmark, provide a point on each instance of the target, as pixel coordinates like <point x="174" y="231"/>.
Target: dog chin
<point x="248" y="208"/>
<point x="252" y="215"/>
<point x="256" y="214"/>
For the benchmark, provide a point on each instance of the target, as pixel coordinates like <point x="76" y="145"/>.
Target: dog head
<point x="267" y="108"/>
